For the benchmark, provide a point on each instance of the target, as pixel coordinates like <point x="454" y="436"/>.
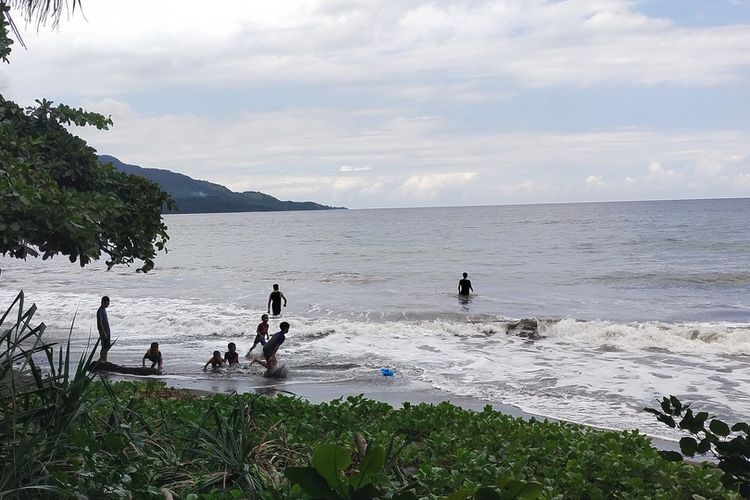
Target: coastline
<point x="393" y="391"/>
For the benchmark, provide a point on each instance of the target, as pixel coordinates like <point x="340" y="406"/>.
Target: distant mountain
<point x="194" y="196"/>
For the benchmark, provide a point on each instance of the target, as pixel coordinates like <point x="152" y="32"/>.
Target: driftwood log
<point x="106" y="366"/>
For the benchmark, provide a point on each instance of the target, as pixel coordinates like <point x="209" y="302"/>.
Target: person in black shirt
<point x="464" y="285"/>
<point x="274" y="300"/>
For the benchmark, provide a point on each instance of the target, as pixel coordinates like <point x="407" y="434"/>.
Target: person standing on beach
<point x="274" y="300"/>
<point x="464" y="285"/>
<point x="272" y="347"/>
<point x="102" y="324"/>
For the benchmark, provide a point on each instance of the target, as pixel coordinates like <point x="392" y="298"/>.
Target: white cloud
<point x="657" y="173"/>
<point x="429" y="186"/>
<point x="350" y="168"/>
<point x="532" y="43"/>
<point x="743" y="181"/>
<point x="410" y="87"/>
<point x="595" y="181"/>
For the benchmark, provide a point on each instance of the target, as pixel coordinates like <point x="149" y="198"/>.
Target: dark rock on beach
<point x="106" y="366"/>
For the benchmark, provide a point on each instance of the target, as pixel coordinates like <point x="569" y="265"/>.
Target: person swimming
<point x="216" y="361"/>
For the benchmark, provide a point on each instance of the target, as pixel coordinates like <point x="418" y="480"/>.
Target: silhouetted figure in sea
<point x="464" y="286"/>
<point x="102" y="324"/>
<point x="274" y="300"/>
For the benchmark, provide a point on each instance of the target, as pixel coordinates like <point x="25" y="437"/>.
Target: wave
<point x="666" y="278"/>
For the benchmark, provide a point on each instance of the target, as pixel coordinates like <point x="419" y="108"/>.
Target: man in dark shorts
<point x="272" y="347"/>
<point x="464" y="285"/>
<point x="274" y="300"/>
<point x="102" y="324"/>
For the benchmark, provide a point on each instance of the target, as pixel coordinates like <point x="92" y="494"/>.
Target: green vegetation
<point x="729" y="445"/>
<point x="55" y="197"/>
<point x="134" y="439"/>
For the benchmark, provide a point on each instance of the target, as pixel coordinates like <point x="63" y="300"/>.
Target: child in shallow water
<point x="232" y="357"/>
<point x="261" y="335"/>
<point x="216" y="361"/>
<point x="154" y="355"/>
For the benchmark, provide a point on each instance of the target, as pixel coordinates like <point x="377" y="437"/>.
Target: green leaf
<point x="114" y="442"/>
<point x="461" y="494"/>
<point x="310" y="481"/>
<point x="487" y="494"/>
<point x="740" y="427"/>
<point x="676" y="405"/>
<point x="372" y="463"/>
<point x="330" y="461"/>
<point x="667" y="420"/>
<point x="688" y="446"/>
<point x="704" y="446"/>
<point x="671" y="456"/>
<point x="408" y="495"/>
<point x="719" y="428"/>
<point x="531" y="491"/>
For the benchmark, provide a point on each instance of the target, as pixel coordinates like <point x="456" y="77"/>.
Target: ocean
<point x="635" y="301"/>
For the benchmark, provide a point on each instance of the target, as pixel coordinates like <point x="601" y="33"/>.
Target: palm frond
<point x="42" y="11"/>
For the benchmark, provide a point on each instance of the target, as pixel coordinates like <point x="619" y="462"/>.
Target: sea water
<point x="634" y="300"/>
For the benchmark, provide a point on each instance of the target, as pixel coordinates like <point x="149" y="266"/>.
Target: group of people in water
<point x="269" y="343"/>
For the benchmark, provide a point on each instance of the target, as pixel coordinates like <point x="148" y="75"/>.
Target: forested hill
<point x="194" y="196"/>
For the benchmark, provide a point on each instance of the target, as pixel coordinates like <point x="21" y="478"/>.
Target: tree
<point x="55" y="197"/>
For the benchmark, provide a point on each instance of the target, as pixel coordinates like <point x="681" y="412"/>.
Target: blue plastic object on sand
<point x="387" y="372"/>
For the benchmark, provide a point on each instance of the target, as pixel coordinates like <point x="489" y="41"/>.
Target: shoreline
<point x="393" y="391"/>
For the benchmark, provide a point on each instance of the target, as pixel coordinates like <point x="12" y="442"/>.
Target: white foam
<point x="600" y="373"/>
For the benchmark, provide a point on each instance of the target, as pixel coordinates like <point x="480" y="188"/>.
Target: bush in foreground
<point x="134" y="439"/>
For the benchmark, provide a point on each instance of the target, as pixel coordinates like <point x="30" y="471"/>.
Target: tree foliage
<point x="55" y="197"/>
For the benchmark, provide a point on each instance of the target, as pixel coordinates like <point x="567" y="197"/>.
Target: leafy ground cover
<point x="131" y="440"/>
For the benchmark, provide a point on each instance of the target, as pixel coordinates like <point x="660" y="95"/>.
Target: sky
<point x="402" y="103"/>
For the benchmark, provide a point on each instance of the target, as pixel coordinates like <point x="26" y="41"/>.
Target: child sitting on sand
<point x="216" y="361"/>
<point x="232" y="357"/>
<point x="154" y="355"/>
<point x="261" y="334"/>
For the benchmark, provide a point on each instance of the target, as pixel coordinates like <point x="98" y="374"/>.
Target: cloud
<point x="428" y="186"/>
<point x="350" y="168"/>
<point x="595" y="181"/>
<point x="393" y="45"/>
<point x="458" y="102"/>
<point x="743" y="181"/>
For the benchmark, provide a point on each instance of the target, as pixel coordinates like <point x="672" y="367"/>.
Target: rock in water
<point x="528" y="328"/>
<point x="279" y="372"/>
